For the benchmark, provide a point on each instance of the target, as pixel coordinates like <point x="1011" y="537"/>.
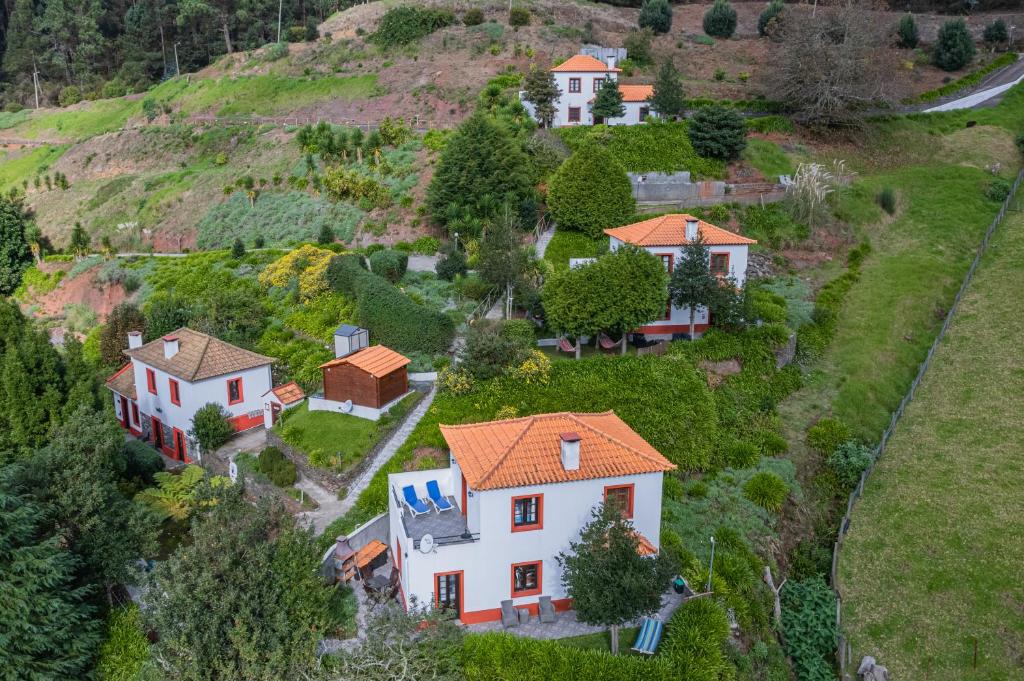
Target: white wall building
<point x="521" y="490"/>
<point x="168" y="380"/>
<point x="665" y="237"/>
<point x="579" y="78"/>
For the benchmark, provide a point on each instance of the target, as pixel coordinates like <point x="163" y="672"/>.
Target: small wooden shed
<point x="370" y="377"/>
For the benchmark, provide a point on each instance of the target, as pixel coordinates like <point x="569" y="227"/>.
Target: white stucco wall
<point x="486" y="564"/>
<point x="363" y="412"/>
<point x="255" y="383"/>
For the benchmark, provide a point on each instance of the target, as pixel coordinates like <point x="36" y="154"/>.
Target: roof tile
<point x="123" y="382"/>
<point x="376" y="360"/>
<point x="583" y="63"/>
<point x="527" y="451"/>
<point x="636" y="93"/>
<point x="670" y="230"/>
<point x="199" y="356"/>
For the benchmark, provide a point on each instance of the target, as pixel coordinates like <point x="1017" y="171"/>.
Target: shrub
<point x="767" y="490"/>
<point x="451" y="265"/>
<point x="343" y="271"/>
<point x="407" y="24"/>
<point x="277" y="467"/>
<point x="504" y="656"/>
<point x="69" y="94"/>
<point x="771" y="443"/>
<point x="126" y="649"/>
<point x="590" y="192"/>
<point x="720" y="20"/>
<point x="276" y="51"/>
<point x="393" y="319"/>
<point x="454" y="381"/>
<point x="142" y="462"/>
<point x="996" y="33"/>
<point x="742" y="455"/>
<point x="809" y="625"/>
<point x="489" y="351"/>
<point x="653" y="147"/>
<point x="210" y="427"/>
<point x="887" y="200"/>
<point x="827" y="434"/>
<point x="954" y="47"/>
<point x="848" y="461"/>
<point x="638" y="47"/>
<point x="695" y="640"/>
<point x="393" y="131"/>
<point x="519" y="16"/>
<point x="473" y="16"/>
<point x="342" y="184"/>
<point x="655" y="15"/>
<point x="768" y="124"/>
<point x="767" y="18"/>
<point x="906" y="31"/>
<point x="1020" y="143"/>
<point x="718" y="132"/>
<point x="998" y="190"/>
<point x="390" y="264"/>
<point x="426" y="245"/>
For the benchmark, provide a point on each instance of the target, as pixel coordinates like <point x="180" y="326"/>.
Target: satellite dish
<point x="346" y="406"/>
<point x="427" y="543"/>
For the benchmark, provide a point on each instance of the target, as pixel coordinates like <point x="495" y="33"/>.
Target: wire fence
<point x="844" y="652"/>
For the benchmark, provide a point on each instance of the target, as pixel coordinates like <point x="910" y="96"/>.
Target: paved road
<point x="990" y="88"/>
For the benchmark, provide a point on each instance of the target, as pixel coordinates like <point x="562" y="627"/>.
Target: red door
<point x="124" y="412"/>
<point x="158" y="434"/>
<point x="180" y="452"/>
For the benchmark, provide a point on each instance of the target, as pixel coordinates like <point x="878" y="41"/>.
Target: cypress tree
<point x="954" y="48"/>
<point x="542" y="91"/>
<point x="668" y="99"/>
<point x="906" y="32"/>
<point x="655" y="15"/>
<point x="718" y="132"/>
<point x="591" y="191"/>
<point x="608" y="101"/>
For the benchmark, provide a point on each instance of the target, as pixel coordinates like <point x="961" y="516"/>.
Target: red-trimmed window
<point x="526" y="578"/>
<point x="135" y="414"/>
<point x="151" y="380"/>
<point x="574" y="85"/>
<point x="667" y="259"/>
<point x="235" y="391"/>
<point x="645" y="111"/>
<point x="720" y="264"/>
<point x="621" y="496"/>
<point x="597" y="83"/>
<point x="574" y="114"/>
<point x="528" y="513"/>
<point x="175" y="394"/>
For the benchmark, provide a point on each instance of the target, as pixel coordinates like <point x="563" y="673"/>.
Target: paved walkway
<point x="422" y="263"/>
<point x="328" y="505"/>
<point x="994" y="86"/>
<point x="544" y="240"/>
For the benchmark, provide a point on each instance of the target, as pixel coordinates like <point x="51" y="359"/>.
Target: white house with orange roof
<point x="579" y="78"/>
<point x="169" y="379"/>
<point x="487" y="528"/>
<point x="665" y="237"/>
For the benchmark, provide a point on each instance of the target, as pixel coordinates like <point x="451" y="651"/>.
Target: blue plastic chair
<point x="436" y="498"/>
<point x="415" y="505"/>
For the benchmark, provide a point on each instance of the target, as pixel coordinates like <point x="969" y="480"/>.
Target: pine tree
<point x="769" y="16"/>
<point x="668" y="99"/>
<point x="720" y="20"/>
<point x="996" y="33"/>
<point x="114" y="336"/>
<point x="907" y="33"/>
<point x="608" y="101"/>
<point x="15" y="253"/>
<point x="22" y="42"/>
<point x="541" y="90"/>
<point x="31" y="393"/>
<point x="655" y="15"/>
<point x="954" y="47"/>
<point x="48" y="629"/>
<point x="692" y="285"/>
<point x="718" y="132"/>
<point x="237" y="249"/>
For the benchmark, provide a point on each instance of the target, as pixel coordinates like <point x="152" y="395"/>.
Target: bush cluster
<point x="695" y="640"/>
<point x="812" y="339"/>
<point x="827" y="434"/>
<point x="767" y="18"/>
<point x="767" y="490"/>
<point x="720" y="20"/>
<point x="452" y="264"/>
<point x="848" y="461"/>
<point x="809" y="625"/>
<point x="406" y="24"/>
<point x="474" y="16"/>
<point x="590" y="192"/>
<point x="390" y="264"/>
<point x="519" y="16"/>
<point x="277" y="467"/>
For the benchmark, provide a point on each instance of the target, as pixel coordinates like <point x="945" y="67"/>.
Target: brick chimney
<point x="134" y="339"/>
<point x="570" y="451"/>
<point x="170" y="346"/>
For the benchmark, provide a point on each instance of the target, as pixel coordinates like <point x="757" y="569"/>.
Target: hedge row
<point x="752" y="105"/>
<point x="970" y="79"/>
<point x="811" y="339"/>
<point x="392" y="318"/>
<point x="512" y="658"/>
<point x="652" y="147"/>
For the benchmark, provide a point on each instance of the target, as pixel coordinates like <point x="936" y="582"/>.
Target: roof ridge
<point x="202" y="357"/>
<point x="531" y="420"/>
<point x="615" y="440"/>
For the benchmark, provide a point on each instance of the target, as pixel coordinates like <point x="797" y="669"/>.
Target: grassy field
<point x="942" y="517"/>
<point x="26" y="164"/>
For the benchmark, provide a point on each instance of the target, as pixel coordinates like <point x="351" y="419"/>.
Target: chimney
<point x="611" y="61"/>
<point x="570" y="451"/>
<point x="170" y="346"/>
<point x="134" y="339"/>
<point x="691" y="228"/>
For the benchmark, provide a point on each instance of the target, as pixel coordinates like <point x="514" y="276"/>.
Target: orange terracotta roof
<point x="670" y="230"/>
<point x="644" y="546"/>
<point x="636" y="93"/>
<point x="123" y="382"/>
<point x="199" y="356"/>
<point x="375" y="360"/>
<point x="583" y="63"/>
<point x="527" y="451"/>
<point x="288" y="393"/>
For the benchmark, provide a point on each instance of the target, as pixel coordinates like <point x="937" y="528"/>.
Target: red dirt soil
<point x="84" y="290"/>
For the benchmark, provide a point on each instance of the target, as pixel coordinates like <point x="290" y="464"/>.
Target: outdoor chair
<point x="416" y="506"/>
<point x="436" y="498"/>
<point x="509" y="616"/>
<point x="546" y="610"/>
<point x="649" y="637"/>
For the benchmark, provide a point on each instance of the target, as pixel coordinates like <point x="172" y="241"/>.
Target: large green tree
<point x="718" y="132"/>
<point x="668" y="99"/>
<point x="655" y="15"/>
<point x="542" y="91"/>
<point x="504" y="263"/>
<point x="590" y="191"/>
<point x="31" y="392"/>
<point x="15" y="254"/>
<point x="48" y="629"/>
<point x="114" y="336"/>
<point x="482" y="168"/>
<point x="608" y="101"/>
<point x="692" y="284"/>
<point x="243" y="600"/>
<point x="954" y="46"/>
<point x="610" y="583"/>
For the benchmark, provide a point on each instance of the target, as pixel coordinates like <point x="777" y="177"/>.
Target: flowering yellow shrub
<point x="535" y="369"/>
<point x="308" y="264"/>
<point x="506" y="412"/>
<point x="454" y="381"/>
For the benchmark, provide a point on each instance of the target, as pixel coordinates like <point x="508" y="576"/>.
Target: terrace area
<point x="445" y="527"/>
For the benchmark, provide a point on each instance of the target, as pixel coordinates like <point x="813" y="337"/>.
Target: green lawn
<point x="933" y="559"/>
<point x="768" y="157"/>
<point x="25" y="164"/>
<point x="602" y="640"/>
<point x="338" y="441"/>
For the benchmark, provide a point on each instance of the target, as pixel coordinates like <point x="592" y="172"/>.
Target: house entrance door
<point x="158" y="434"/>
<point x="179" y="446"/>
<point x="124" y="412"/>
<point x="449" y="592"/>
<point x="275" y="412"/>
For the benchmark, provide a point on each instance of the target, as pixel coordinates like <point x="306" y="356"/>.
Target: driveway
<point x="989" y="91"/>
